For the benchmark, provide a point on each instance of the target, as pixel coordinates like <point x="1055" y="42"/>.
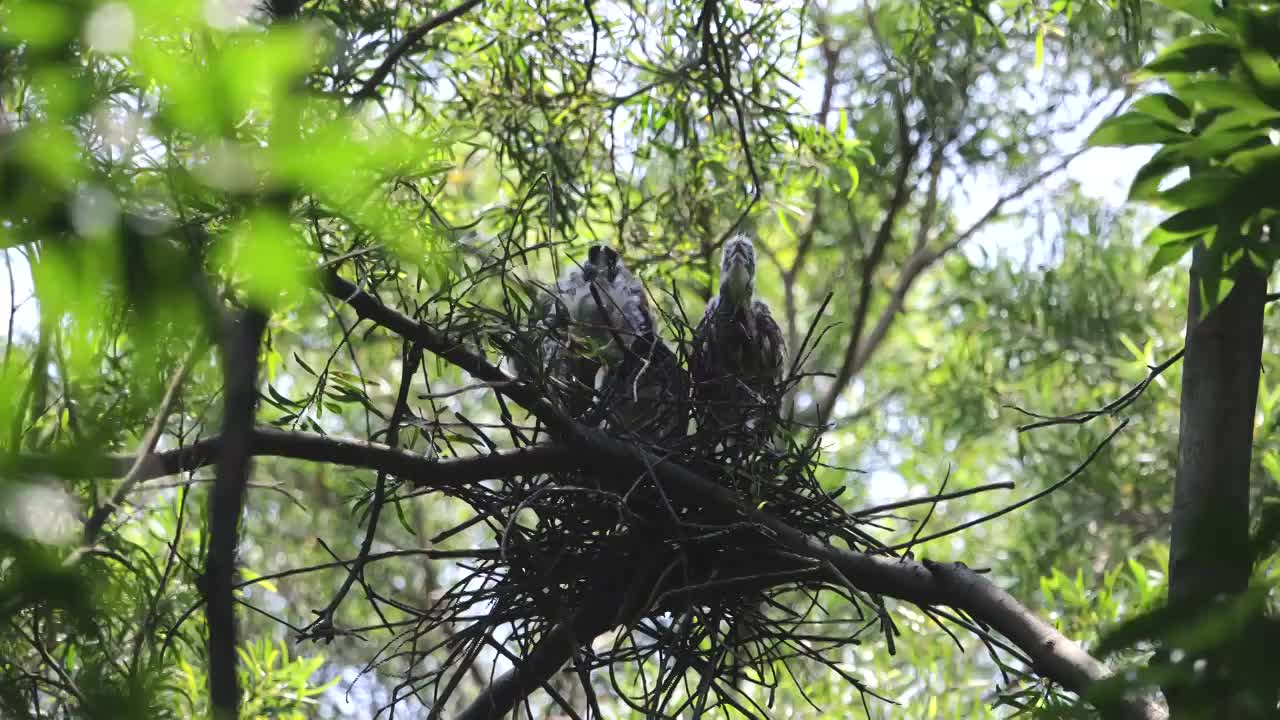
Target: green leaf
<point x="1225" y="94"/>
<point x="1169" y="253"/>
<point x="1262" y="68"/>
<point x="1146" y="182"/>
<point x="1236" y="119"/>
<point x="1204" y="188"/>
<point x="1039" y="47"/>
<point x="1163" y="106"/>
<point x="1219" y="145"/>
<point x="1256" y="161"/>
<point x="1198" y="53"/>
<point x="1134" y="128"/>
<point x="1187" y="223"/>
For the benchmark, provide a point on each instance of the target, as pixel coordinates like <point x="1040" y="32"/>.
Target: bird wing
<point x="772" y="345"/>
<point x="633" y="304"/>
<point x="701" y="363"/>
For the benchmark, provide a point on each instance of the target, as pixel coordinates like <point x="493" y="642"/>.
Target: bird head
<point x="738" y="269"/>
<point x="602" y="262"/>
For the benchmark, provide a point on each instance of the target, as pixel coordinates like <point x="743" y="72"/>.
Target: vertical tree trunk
<point x="1209" y="549"/>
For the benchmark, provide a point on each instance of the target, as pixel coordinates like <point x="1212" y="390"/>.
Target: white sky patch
<point x="39" y="512"/>
<point x="110" y="28"/>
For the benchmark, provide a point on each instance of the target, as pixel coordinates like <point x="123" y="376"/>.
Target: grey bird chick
<point x="739" y="352"/>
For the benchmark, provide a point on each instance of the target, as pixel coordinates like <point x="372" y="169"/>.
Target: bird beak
<point x="588" y="272"/>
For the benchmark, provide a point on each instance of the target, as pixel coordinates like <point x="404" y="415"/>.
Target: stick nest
<point x="688" y="606"/>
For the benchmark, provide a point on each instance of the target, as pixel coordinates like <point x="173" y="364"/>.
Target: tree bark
<point x="1209" y="555"/>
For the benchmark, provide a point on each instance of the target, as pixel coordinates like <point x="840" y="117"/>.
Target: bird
<point x="603" y="339"/>
<point x="738" y="354"/>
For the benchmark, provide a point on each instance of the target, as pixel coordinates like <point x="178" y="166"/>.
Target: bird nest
<point x="681" y="605"/>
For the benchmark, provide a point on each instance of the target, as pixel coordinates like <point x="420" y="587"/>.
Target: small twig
<point x="135" y="475"/>
<point x="1021" y="503"/>
<point x="877" y="509"/>
<point x="1111" y="408"/>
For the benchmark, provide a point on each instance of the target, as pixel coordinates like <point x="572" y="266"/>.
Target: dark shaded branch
<point x="422" y="472"/>
<point x="370" y="307"/>
<point x="407" y="43"/>
<point x="544" y="660"/>
<point x="323" y="625"/>
<point x="240" y="368"/>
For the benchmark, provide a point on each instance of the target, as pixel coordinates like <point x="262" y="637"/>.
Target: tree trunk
<point x="1209" y="550"/>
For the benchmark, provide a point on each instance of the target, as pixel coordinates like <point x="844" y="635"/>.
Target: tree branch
<point x="407" y="43"/>
<point x="240" y="367"/>
<point x="145" y="449"/>
<point x="422" y="471"/>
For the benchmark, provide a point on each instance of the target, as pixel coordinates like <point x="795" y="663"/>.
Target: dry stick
<point x="136" y="472"/>
<point x="1055" y="656"/>
<point x="240" y="361"/>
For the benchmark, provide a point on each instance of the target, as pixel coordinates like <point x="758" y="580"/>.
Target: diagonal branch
<point x="407" y="43"/>
<point x="136" y="471"/>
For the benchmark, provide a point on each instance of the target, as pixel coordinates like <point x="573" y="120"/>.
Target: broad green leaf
<point x="1220" y="93"/>
<point x="1163" y="106"/>
<point x="1202" y="189"/>
<point x="1185" y="224"/>
<point x="1263" y="160"/>
<point x="1134" y="128"/>
<point x="1219" y="145"/>
<point x="1146" y="181"/>
<point x="1236" y="119"/>
<point x="1170" y="253"/>
<point x="1262" y="68"/>
<point x="1198" y="53"/>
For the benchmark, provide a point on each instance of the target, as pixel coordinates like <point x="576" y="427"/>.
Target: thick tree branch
<point x="1210" y="556"/>
<point x="240" y="367"/>
<point x="423" y="472"/>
